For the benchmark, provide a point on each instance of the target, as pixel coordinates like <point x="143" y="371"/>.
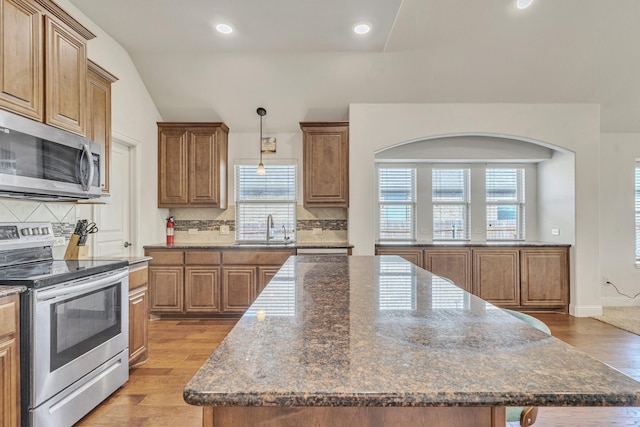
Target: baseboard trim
<point x="585" y="310"/>
<point x="619" y="302"/>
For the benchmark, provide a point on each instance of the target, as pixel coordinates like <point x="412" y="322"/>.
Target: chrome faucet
<point x="269" y="227"/>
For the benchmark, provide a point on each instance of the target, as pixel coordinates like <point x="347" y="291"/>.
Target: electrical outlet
<point x="555" y="231"/>
<point x="193" y="231"/>
<point x="317" y="231"/>
<point x="605" y="281"/>
<point x="224" y="229"/>
<point x="59" y="241"/>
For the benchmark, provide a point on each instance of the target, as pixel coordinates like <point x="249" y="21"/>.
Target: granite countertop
<point x="132" y="260"/>
<point x="6" y="291"/>
<point x="253" y="246"/>
<point x="454" y="244"/>
<point x="378" y="331"/>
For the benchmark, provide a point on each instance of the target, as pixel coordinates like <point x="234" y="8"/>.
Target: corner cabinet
<point x="325" y="152"/>
<point x="531" y="278"/>
<point x="43" y="63"/>
<point x="192" y="165"/>
<point x="99" y="83"/>
<point x="9" y="361"/>
<point x="138" y="313"/>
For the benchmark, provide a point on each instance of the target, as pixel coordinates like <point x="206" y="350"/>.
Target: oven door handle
<point x="81" y="288"/>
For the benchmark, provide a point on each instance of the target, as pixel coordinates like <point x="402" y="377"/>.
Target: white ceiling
<point x="299" y="59"/>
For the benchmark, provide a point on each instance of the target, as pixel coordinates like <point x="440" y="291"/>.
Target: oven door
<point x="76" y="327"/>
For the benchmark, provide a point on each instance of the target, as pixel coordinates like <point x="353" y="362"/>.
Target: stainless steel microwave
<point x="42" y="162"/>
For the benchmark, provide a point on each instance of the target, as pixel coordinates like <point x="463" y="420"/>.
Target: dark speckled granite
<point x="378" y="331"/>
<point x="6" y="291"/>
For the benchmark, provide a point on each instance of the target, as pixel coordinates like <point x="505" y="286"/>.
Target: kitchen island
<point x="348" y="341"/>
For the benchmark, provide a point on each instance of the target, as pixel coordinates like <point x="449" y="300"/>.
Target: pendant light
<point x="261" y="171"/>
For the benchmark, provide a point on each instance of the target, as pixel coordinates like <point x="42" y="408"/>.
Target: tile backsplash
<point x="204" y="225"/>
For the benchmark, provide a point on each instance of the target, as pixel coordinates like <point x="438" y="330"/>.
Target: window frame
<point x="410" y="204"/>
<point x="519" y="203"/>
<point x="465" y="203"/>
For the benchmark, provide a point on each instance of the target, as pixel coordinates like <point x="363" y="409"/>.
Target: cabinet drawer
<point x="166" y="257"/>
<point x="8" y="315"/>
<point x="202" y="257"/>
<point x="138" y="275"/>
<point x="257" y="257"/>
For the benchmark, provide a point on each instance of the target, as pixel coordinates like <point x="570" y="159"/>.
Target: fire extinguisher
<point x="170" y="228"/>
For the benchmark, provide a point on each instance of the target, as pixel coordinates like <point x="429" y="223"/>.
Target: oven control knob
<point x="35" y="231"/>
<point x="25" y="232"/>
<point x="45" y="230"/>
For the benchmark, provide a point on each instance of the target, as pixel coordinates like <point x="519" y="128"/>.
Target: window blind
<point x="396" y="201"/>
<point x="505" y="200"/>
<point x="637" y="210"/>
<point x="258" y="196"/>
<point x="450" y="200"/>
<point x="397" y="286"/>
<point x="445" y="294"/>
<point x="279" y="297"/>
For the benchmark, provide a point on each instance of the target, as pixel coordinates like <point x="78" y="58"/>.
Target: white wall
<point x="617" y="241"/>
<point x="134" y="118"/>
<point x="574" y="127"/>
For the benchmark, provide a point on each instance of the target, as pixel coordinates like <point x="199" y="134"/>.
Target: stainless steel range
<point x="73" y="326"/>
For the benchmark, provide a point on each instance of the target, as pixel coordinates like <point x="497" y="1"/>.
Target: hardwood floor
<point x="153" y="395"/>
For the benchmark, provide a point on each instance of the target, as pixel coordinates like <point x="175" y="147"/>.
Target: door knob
<point x="127" y="244"/>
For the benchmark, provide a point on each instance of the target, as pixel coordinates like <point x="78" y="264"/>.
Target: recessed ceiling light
<point x="523" y="4"/>
<point x="224" y="28"/>
<point x="361" y="28"/>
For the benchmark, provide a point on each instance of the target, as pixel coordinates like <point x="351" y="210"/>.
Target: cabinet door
<point x="325" y="152"/>
<point x="21" y="58"/>
<point x="413" y="255"/>
<point x="265" y="274"/>
<point x="202" y="289"/>
<point x="545" y="277"/>
<point x="454" y="264"/>
<point x="239" y="287"/>
<point x="204" y="183"/>
<point x="138" y="325"/>
<point x="66" y="77"/>
<point x="9" y="362"/>
<point x="173" y="175"/>
<point x="166" y="289"/>
<point x="496" y="276"/>
<point x="99" y="116"/>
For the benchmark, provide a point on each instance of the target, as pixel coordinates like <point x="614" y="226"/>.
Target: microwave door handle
<point x="86" y="153"/>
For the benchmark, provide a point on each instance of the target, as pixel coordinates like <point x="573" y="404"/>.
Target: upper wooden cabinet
<point x="192" y="165"/>
<point x="40" y="43"/>
<point x="325" y="152"/>
<point x="99" y="83"/>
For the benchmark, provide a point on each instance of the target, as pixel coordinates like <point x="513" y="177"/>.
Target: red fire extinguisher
<point x="170" y="228"/>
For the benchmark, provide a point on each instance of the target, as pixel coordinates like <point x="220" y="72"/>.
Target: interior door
<point x="114" y="219"/>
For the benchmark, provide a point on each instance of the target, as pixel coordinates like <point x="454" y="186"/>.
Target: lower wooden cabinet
<point x="209" y="282"/>
<point x="138" y="313"/>
<point x="9" y="361"/>
<point x="534" y="278"/>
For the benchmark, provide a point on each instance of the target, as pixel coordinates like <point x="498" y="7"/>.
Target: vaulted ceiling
<point x="300" y="60"/>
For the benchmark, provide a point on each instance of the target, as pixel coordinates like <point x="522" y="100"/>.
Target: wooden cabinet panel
<point x="265" y="274"/>
<point x="544" y="277"/>
<point x="166" y="289"/>
<point x="202" y="289"/>
<point x="202" y="257"/>
<point x="257" y="257"/>
<point x="413" y="255"/>
<point x="325" y="152"/>
<point x="138" y="325"/>
<point x="21" y="58"/>
<point x="192" y="165"/>
<point x="496" y="276"/>
<point x="172" y="167"/>
<point x="162" y="257"/>
<point x="66" y="78"/>
<point x="239" y="287"/>
<point x="9" y="362"/>
<point x="99" y="115"/>
<point x="454" y="264"/>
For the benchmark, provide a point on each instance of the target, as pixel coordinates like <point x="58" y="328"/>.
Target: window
<point x="505" y="204"/>
<point x="637" y="205"/>
<point x="258" y="196"/>
<point x="450" y="199"/>
<point x="397" y="203"/>
<point x="396" y="285"/>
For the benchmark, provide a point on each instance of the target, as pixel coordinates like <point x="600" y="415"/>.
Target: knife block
<point x="74" y="251"/>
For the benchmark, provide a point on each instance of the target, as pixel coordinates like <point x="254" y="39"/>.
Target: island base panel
<point x="353" y="416"/>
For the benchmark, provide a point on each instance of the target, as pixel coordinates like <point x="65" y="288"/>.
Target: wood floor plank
<point x="177" y="348"/>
